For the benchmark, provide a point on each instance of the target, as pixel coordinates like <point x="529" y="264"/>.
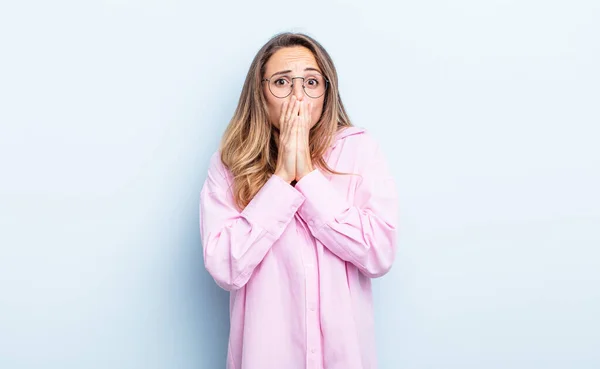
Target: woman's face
<point x="296" y="61"/>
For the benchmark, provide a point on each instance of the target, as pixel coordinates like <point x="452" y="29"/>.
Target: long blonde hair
<point x="249" y="144"/>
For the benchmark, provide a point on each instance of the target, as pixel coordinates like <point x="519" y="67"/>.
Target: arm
<point x="235" y="242"/>
<point x="364" y="233"/>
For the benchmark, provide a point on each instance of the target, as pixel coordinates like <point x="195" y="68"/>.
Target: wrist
<point x="306" y="172"/>
<point x="284" y="177"/>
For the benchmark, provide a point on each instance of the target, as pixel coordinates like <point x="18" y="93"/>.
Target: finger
<point x="307" y="122"/>
<point x="288" y="136"/>
<point x="297" y="127"/>
<point x="284" y="120"/>
<point x="283" y="133"/>
<point x="290" y="108"/>
<point x="290" y="116"/>
<point x="282" y="112"/>
<point x="304" y="132"/>
<point x="292" y="112"/>
<point x="296" y="109"/>
<point x="300" y="139"/>
<point x="302" y="115"/>
<point x="291" y="129"/>
<point x="306" y="114"/>
<point x="300" y="146"/>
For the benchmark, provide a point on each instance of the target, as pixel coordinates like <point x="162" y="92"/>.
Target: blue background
<point x="488" y="111"/>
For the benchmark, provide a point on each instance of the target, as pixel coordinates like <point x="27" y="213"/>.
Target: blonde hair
<point x="249" y="144"/>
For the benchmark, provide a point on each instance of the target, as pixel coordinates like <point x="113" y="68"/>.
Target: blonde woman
<point x="297" y="214"/>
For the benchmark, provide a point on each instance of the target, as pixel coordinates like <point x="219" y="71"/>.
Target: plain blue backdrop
<point x="488" y="111"/>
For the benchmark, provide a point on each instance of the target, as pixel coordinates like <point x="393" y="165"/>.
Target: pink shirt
<point x="298" y="261"/>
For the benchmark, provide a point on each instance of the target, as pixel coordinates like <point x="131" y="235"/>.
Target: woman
<point x="297" y="213"/>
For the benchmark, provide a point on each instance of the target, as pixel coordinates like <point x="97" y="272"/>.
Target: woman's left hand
<point x="303" y="124"/>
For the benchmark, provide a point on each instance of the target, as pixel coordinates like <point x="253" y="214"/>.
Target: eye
<point x="280" y="82"/>
<point x="312" y="83"/>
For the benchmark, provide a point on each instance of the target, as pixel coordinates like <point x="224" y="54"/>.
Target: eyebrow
<point x="290" y="71"/>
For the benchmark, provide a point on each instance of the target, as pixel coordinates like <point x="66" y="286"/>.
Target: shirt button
<point x="313" y="350"/>
<point x="312" y="308"/>
<point x="311" y="222"/>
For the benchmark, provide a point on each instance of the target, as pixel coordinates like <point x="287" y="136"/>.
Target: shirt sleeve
<point x="363" y="233"/>
<point x="235" y="242"/>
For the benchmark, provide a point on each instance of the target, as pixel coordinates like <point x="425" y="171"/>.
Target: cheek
<point x="316" y="113"/>
<point x="274" y="110"/>
<point x="273" y="107"/>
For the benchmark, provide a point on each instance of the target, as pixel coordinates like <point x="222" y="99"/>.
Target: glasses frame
<point x="292" y="87"/>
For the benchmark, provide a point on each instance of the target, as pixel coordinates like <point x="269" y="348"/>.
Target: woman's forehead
<point x="296" y="59"/>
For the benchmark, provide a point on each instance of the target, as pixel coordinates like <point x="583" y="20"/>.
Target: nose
<point x="297" y="89"/>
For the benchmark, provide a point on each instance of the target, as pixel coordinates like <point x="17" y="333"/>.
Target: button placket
<point x="313" y="328"/>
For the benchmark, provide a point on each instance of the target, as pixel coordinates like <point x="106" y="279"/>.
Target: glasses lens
<point x="280" y="86"/>
<point x="314" y="85"/>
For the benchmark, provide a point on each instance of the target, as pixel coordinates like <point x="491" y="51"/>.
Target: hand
<point x="303" y="159"/>
<point x="286" y="157"/>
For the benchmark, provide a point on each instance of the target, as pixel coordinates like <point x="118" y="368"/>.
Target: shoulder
<point x="358" y="141"/>
<point x="217" y="170"/>
<point x="215" y="165"/>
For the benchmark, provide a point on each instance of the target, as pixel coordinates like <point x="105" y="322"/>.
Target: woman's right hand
<point x="286" y="158"/>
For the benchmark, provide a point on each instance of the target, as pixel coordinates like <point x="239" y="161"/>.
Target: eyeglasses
<point x="314" y="85"/>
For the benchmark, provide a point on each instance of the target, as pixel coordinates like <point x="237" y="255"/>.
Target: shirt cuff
<point x="322" y="201"/>
<point x="274" y="205"/>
